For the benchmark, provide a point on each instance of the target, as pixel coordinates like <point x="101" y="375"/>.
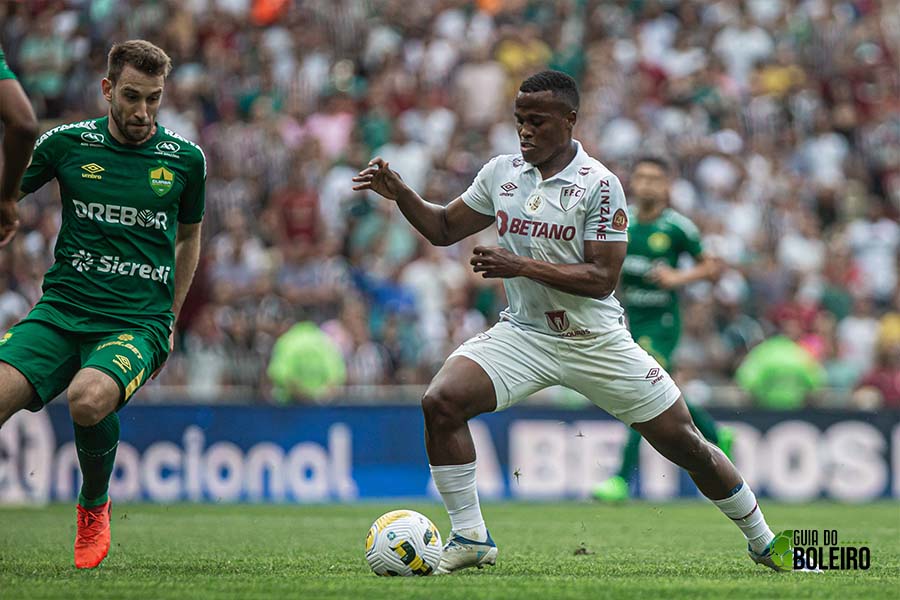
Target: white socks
<point x="742" y="508"/>
<point x="456" y="484"/>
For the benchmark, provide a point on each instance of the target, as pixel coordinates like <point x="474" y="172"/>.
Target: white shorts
<point x="611" y="370"/>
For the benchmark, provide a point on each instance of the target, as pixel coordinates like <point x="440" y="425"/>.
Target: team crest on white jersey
<point x="570" y="196"/>
<point x="558" y="320"/>
<point x="534" y="204"/>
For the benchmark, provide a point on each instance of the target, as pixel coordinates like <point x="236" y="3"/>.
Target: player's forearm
<point x="187" y="256"/>
<point x="428" y="219"/>
<point x="708" y="269"/>
<point x="581" y="279"/>
<point x="18" y="142"/>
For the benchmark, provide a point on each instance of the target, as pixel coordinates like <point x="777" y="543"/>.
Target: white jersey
<point x="549" y="220"/>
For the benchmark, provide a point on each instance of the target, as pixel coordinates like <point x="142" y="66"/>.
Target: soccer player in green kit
<point x="20" y="130"/>
<point x="657" y="237"/>
<point x="132" y="202"/>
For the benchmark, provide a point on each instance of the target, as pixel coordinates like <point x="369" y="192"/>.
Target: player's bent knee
<point x="86" y="411"/>
<point x="92" y="396"/>
<point x="441" y="409"/>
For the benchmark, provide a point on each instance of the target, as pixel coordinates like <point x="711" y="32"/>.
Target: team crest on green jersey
<point x="659" y="242"/>
<point x="161" y="180"/>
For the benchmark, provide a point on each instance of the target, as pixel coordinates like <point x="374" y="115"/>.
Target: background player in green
<point x="657" y="237"/>
<point x="19" y="132"/>
<point x="132" y="200"/>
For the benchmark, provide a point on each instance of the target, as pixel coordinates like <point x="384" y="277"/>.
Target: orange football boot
<point x="92" y="537"/>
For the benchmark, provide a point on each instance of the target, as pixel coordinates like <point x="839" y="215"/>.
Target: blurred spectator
<point x="780" y="374"/>
<point x="305" y="366"/>
<point x="884" y="378"/>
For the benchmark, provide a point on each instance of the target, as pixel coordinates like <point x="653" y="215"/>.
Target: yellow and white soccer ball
<point x="404" y="543"/>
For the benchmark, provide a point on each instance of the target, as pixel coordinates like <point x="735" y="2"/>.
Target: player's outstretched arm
<point x="187" y="255"/>
<point x="707" y="268"/>
<point x="21" y="130"/>
<point x="596" y="277"/>
<point x="442" y="226"/>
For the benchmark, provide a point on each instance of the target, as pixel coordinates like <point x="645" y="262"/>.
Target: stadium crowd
<point x="781" y="116"/>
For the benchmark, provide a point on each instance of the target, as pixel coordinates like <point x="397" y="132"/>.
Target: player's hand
<point x="379" y="178"/>
<point x="9" y="220"/>
<point x="665" y="277"/>
<point x="492" y="261"/>
<point x="171" y="348"/>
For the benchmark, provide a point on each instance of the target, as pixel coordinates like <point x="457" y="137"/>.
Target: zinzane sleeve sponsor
<point x="606" y="217"/>
<point x="478" y="197"/>
<point x="193" y="198"/>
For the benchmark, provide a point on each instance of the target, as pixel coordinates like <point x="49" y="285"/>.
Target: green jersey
<point x="121" y="205"/>
<point x="5" y="71"/>
<point x="661" y="241"/>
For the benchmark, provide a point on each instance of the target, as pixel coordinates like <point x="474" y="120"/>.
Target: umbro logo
<point x="507" y="188"/>
<point x="655" y="375"/>
<point x="122" y="362"/>
<point x="92" y="171"/>
<point x="585" y="171"/>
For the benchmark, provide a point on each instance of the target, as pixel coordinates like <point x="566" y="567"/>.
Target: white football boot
<point x="462" y="553"/>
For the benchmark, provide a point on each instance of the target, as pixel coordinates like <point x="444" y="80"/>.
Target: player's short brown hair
<point x="142" y="55"/>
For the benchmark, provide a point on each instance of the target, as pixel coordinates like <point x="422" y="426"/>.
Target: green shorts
<point x="50" y="356"/>
<point x="658" y="337"/>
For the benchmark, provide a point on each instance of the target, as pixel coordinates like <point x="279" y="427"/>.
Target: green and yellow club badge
<point x="161" y="180"/>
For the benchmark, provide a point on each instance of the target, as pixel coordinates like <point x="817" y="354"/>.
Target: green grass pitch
<point x="642" y="550"/>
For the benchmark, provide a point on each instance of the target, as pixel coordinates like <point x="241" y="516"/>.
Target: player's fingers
<point x="362" y="187"/>
<point x="378" y="161"/>
<point x="479" y="250"/>
<point x="362" y="178"/>
<point x="369" y="171"/>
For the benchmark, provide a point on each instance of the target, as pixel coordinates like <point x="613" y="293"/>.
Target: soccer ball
<point x="403" y="542"/>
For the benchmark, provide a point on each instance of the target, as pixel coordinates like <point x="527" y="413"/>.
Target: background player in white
<point x="562" y="221"/>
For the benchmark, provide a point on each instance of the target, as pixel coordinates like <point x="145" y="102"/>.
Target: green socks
<point x="96" y="447"/>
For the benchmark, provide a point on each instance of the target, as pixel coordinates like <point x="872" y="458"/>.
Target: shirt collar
<point x="571" y="170"/>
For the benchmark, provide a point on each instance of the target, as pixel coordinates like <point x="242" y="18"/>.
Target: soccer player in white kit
<point x="562" y="225"/>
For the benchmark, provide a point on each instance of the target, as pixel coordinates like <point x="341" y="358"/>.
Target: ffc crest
<point x="570" y="195"/>
<point x="558" y="320"/>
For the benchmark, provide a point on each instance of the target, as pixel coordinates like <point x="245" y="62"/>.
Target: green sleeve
<point x="193" y="198"/>
<point x="691" y="239"/>
<point x="5" y="71"/>
<point x="48" y="150"/>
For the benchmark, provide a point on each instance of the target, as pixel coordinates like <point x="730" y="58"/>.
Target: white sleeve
<point x="478" y="197"/>
<point x="606" y="218"/>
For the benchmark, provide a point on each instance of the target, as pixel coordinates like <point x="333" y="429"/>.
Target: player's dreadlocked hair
<point x="557" y="82"/>
<point x="140" y="54"/>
